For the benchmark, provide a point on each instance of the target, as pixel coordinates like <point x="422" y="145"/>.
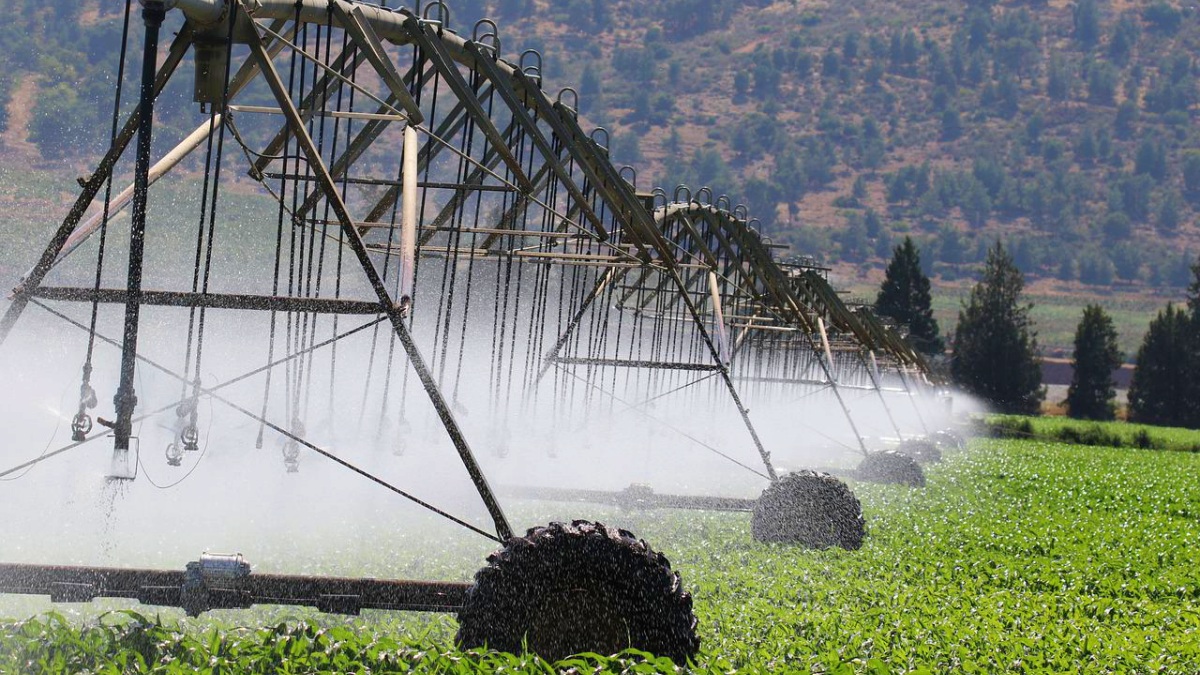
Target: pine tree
<point x="1166" y="383"/>
<point x="1092" y="389"/>
<point x="1162" y="382"/>
<point x="995" y="347"/>
<point x="905" y="298"/>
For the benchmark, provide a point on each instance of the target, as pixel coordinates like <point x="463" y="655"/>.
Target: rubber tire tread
<point x="809" y="508"/>
<point x="891" y="467"/>
<point x="949" y="439"/>
<point x="578" y="576"/>
<point x="924" y="450"/>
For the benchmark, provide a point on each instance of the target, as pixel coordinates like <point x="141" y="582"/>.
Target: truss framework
<point x="421" y="154"/>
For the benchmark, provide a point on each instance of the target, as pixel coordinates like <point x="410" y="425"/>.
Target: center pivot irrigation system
<point x="428" y="193"/>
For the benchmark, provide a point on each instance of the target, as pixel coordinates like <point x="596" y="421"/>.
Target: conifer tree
<point x="1166" y="382"/>
<point x="904" y="297"/>
<point x="1162" y="382"/>
<point x="1093" y="389"/>
<point x="995" y="351"/>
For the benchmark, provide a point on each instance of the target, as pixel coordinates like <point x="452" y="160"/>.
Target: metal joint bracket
<point x="212" y="583"/>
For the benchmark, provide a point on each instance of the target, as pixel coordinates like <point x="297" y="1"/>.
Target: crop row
<point x="1018" y="556"/>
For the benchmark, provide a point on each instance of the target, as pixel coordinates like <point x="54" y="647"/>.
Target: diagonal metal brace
<point x="436" y="52"/>
<point x="364" y="36"/>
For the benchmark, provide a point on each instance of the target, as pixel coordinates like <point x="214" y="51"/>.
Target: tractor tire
<point x="949" y="439"/>
<point x="925" y="451"/>
<point x="891" y="467"/>
<point x="585" y="587"/>
<point x="809" y="508"/>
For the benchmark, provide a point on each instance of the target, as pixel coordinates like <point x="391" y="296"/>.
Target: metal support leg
<point x="827" y="366"/>
<point x="873" y="373"/>
<point x="716" y="356"/>
<point x="913" y="398"/>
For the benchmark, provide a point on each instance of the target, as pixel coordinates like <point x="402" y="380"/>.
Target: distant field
<point x="1056" y="311"/>
<point x="1119" y="434"/>
<point x="1056" y="315"/>
<point x="1019" y="556"/>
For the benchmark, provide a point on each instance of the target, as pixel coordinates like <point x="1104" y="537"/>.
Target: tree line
<point x="994" y="350"/>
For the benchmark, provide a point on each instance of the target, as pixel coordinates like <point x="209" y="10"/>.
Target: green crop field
<point x="1082" y="432"/>
<point x="1019" y="556"/>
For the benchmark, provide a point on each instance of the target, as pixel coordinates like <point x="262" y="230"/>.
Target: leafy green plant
<point x="1018" y="555"/>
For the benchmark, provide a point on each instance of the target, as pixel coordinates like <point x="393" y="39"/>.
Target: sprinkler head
<point x="190" y="438"/>
<point x="174" y="455"/>
<point x="291" y="456"/>
<point x="81" y="426"/>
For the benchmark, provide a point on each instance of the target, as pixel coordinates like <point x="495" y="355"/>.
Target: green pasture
<point x="1083" y="432"/>
<point x="1055" y="317"/>
<point x="1019" y="556"/>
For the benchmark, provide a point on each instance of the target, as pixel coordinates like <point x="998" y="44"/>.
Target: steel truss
<point x="449" y="179"/>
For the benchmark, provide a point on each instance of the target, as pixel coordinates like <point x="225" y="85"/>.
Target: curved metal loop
<point x="443" y="20"/>
<point x="659" y="193"/>
<point x="751" y="225"/>
<point x="684" y="189"/>
<point x="534" y="70"/>
<point x="574" y="106"/>
<point x="740" y="212"/>
<point x="597" y="130"/>
<point x="702" y="191"/>
<point x="632" y="179"/>
<point x="723" y="199"/>
<point x="492" y="32"/>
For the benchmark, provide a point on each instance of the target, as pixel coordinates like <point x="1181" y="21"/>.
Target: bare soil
<point x="15" y="139"/>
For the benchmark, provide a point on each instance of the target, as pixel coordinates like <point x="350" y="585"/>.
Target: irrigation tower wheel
<point x="924" y="450"/>
<point x="809" y="508"/>
<point x="949" y="439"/>
<point x="891" y="467"/>
<point x="584" y="587"/>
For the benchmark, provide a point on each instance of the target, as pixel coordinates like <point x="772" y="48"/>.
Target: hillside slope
<point x="1063" y="128"/>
